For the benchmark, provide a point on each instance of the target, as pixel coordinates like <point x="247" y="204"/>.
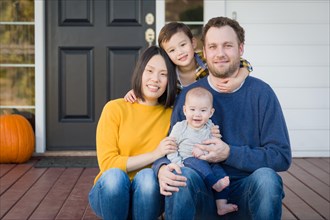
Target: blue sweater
<point x="251" y="122"/>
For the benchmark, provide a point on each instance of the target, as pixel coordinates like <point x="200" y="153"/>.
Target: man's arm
<point x="159" y="163"/>
<point x="273" y="150"/>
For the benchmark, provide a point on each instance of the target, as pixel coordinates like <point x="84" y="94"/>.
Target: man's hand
<point x="218" y="150"/>
<point x="168" y="181"/>
<point x="215" y="131"/>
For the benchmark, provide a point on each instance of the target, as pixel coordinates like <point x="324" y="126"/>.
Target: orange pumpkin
<point x="16" y="139"/>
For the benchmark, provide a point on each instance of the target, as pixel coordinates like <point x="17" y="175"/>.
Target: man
<point x="254" y="146"/>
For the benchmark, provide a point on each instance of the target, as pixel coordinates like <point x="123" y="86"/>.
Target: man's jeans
<point x="258" y="196"/>
<point x="114" y="196"/>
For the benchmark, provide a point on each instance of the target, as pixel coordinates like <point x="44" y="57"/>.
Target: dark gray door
<point x="92" y="46"/>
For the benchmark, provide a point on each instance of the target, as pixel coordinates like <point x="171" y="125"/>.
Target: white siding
<point x="287" y="43"/>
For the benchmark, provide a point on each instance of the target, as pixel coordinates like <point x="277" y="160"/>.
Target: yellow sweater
<point x="125" y="130"/>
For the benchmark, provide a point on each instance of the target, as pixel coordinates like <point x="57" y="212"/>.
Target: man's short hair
<point x="224" y="21"/>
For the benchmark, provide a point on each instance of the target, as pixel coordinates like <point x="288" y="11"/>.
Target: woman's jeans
<point x="258" y="196"/>
<point x="114" y="196"/>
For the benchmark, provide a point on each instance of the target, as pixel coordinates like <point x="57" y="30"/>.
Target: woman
<point x="130" y="137"/>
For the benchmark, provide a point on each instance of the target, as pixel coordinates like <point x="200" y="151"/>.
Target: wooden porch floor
<point x="61" y="193"/>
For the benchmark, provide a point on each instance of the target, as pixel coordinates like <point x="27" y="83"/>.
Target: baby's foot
<point x="221" y="184"/>
<point x="226" y="208"/>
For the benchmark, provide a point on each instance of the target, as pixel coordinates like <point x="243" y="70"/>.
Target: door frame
<point x="40" y="76"/>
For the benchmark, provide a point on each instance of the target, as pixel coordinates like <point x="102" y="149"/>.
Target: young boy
<point x="198" y="109"/>
<point x="178" y="42"/>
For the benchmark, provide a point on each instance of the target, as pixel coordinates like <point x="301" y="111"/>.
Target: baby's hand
<point x="196" y="152"/>
<point x="130" y="97"/>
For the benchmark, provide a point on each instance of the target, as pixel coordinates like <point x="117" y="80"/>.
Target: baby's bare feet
<point x="221" y="184"/>
<point x="227" y="208"/>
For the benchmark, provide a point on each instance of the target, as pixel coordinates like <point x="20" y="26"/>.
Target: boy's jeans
<point x="258" y="196"/>
<point x="114" y="196"/>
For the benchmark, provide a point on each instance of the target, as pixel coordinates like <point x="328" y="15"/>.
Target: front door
<point x="92" y="46"/>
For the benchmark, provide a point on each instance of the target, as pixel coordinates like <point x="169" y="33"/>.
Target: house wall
<point x="287" y="43"/>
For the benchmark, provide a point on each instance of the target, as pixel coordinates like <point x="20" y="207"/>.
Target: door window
<point x="190" y="12"/>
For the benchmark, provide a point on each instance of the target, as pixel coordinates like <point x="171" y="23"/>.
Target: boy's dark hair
<point x="224" y="21"/>
<point x="172" y="28"/>
<point x="168" y="97"/>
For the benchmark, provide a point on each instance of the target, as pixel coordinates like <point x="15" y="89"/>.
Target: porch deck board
<point x="27" y="192"/>
<point x="78" y="198"/>
<point x="322" y="164"/>
<point x="317" y="169"/>
<point x="35" y="194"/>
<point x="54" y="200"/>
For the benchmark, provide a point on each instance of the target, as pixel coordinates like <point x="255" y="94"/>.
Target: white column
<point x="40" y="63"/>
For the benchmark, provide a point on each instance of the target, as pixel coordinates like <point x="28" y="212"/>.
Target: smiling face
<point x="222" y="51"/>
<point x="154" y="80"/>
<point x="198" y="107"/>
<point x="180" y="48"/>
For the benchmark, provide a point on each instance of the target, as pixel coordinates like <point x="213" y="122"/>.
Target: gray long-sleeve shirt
<point x="186" y="138"/>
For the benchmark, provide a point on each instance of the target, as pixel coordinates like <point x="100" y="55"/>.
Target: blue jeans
<point x="258" y="196"/>
<point x="114" y="196"/>
<point x="210" y="172"/>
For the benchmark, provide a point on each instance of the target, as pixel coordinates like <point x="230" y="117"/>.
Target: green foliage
<point x="192" y="14"/>
<point x="17" y="10"/>
<point x="17" y="47"/>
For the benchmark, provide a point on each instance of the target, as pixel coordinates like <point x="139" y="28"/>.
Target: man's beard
<point x="225" y="72"/>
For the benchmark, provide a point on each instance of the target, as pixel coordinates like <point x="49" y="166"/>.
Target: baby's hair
<point x="200" y="92"/>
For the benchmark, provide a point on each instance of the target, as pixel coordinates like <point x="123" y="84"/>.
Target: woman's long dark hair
<point x="168" y="97"/>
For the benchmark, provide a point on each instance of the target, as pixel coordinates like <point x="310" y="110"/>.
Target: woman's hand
<point x="166" y="146"/>
<point x="130" y="97"/>
<point x="168" y="181"/>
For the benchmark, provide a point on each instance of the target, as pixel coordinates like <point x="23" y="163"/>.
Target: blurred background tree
<point x="17" y="71"/>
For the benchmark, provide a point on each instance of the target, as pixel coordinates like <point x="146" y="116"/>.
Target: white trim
<point x="16" y="23"/>
<point x="160" y="16"/>
<point x="190" y="22"/>
<point x="214" y="9"/>
<point x="18" y="106"/>
<point x="16" y="65"/>
<point x="311" y="153"/>
<point x="40" y="62"/>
